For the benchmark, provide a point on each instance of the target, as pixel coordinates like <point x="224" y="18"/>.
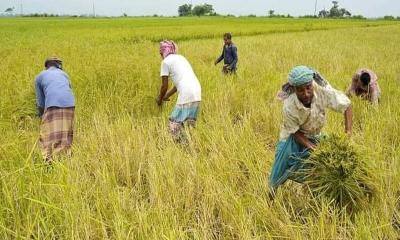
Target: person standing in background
<point x="229" y="55"/>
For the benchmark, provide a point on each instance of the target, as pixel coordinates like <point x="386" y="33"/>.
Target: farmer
<point x="56" y="106"/>
<point x="186" y="84"/>
<point x="229" y="55"/>
<point x="365" y="85"/>
<point x="306" y="97"/>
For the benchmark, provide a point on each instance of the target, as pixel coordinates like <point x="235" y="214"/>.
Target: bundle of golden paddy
<point x="338" y="172"/>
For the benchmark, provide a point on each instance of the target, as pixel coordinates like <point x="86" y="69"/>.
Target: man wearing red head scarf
<point x="185" y="83"/>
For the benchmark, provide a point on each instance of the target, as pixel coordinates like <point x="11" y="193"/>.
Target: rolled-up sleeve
<point x="164" y="69"/>
<point x="335" y="100"/>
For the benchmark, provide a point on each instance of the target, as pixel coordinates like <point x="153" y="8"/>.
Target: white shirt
<point x="185" y="81"/>
<point x="311" y="120"/>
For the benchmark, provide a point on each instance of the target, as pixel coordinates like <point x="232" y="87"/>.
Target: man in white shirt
<point x="185" y="83"/>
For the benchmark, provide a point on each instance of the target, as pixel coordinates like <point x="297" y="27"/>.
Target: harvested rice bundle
<point x="339" y="173"/>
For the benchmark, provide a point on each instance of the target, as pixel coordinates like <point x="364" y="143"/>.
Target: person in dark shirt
<point x="229" y="55"/>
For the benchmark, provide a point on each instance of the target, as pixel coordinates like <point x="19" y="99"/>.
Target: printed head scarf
<point x="356" y="83"/>
<point x="299" y="76"/>
<point x="167" y="47"/>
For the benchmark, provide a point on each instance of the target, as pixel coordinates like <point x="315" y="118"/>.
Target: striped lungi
<point x="56" y="131"/>
<point x="183" y="113"/>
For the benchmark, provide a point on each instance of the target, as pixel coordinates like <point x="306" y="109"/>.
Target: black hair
<point x="228" y="35"/>
<point x="365" y="78"/>
<point x="56" y="64"/>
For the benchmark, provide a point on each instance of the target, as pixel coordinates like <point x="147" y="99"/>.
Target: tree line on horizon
<point x="335" y="11"/>
<point x="205" y="9"/>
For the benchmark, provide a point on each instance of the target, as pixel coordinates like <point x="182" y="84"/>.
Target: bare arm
<point x="348" y="120"/>
<point x="170" y="93"/>
<point x="303" y="140"/>
<point x="163" y="90"/>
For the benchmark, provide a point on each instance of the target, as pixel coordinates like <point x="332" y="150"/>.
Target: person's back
<point x="56" y="88"/>
<point x="184" y="78"/>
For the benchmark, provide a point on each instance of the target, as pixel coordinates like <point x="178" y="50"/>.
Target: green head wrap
<point x="301" y="75"/>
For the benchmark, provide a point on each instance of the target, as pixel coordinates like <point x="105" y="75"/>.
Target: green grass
<point x="128" y="180"/>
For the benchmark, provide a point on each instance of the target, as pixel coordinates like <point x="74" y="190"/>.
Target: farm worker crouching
<point x="306" y="97"/>
<point x="229" y="55"/>
<point x="365" y="85"/>
<point x="186" y="84"/>
<point x="56" y="106"/>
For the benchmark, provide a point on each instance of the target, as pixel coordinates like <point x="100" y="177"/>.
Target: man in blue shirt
<point x="56" y="107"/>
<point x="229" y="55"/>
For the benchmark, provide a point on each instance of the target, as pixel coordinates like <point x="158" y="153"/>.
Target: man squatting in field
<point x="186" y="84"/>
<point x="229" y="55"/>
<point x="306" y="97"/>
<point x="365" y="85"/>
<point x="56" y="107"/>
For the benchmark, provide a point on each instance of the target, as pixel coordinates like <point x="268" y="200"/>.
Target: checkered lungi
<point x="56" y="131"/>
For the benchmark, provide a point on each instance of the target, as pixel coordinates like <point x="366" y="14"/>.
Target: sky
<point x="368" y="8"/>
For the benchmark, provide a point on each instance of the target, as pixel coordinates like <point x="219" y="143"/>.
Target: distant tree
<point x="323" y="14"/>
<point x="199" y="11"/>
<point x="388" y="17"/>
<point x="9" y="10"/>
<point x="209" y="9"/>
<point x="344" y="13"/>
<point x="203" y="10"/>
<point x="335" y="12"/>
<point x="185" y="10"/>
<point x="358" y="17"/>
<point x="271" y="13"/>
<point x="124" y="15"/>
<point x="252" y="15"/>
<point x="308" y="16"/>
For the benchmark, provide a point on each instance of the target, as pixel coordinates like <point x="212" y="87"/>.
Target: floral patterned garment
<point x="371" y="93"/>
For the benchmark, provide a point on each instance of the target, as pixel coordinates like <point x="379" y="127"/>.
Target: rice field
<point x="128" y="180"/>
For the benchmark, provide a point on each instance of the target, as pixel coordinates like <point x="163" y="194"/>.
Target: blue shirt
<point x="229" y="54"/>
<point x="53" y="89"/>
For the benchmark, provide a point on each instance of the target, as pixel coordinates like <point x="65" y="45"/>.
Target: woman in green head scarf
<point x="305" y="98"/>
